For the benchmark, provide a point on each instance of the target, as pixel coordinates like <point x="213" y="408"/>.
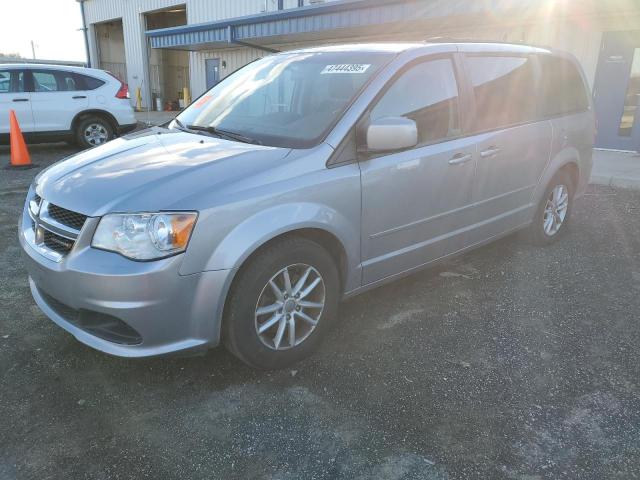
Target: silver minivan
<point x="301" y="179"/>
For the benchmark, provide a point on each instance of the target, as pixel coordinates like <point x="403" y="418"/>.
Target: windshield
<point x="285" y="100"/>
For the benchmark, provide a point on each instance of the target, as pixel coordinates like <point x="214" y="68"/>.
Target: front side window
<point x="505" y="90"/>
<point x="11" y="81"/>
<point x="426" y="93"/>
<point x="286" y="100"/>
<point x="5" y="81"/>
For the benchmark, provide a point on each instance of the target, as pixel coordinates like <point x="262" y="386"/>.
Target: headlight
<point x="144" y="236"/>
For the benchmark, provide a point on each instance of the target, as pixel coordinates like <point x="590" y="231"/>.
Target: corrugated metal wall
<point x="136" y="54"/>
<point x="581" y="36"/>
<point x="131" y="12"/>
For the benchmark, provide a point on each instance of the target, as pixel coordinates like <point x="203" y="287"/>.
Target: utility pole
<point x="33" y="49"/>
<point x="85" y="32"/>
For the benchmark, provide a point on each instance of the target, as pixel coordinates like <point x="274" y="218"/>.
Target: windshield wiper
<point x="180" y="124"/>
<point x="225" y="134"/>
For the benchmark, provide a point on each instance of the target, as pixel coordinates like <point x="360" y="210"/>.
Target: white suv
<point x="53" y="102"/>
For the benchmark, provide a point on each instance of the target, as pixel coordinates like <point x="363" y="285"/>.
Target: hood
<point x="150" y="170"/>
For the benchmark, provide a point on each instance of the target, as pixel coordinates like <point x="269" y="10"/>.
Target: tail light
<point x="123" y="91"/>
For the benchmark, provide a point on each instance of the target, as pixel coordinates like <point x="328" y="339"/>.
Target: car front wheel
<point x="281" y="304"/>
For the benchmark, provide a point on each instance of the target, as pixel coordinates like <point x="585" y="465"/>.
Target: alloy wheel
<point x="555" y="210"/>
<point x="96" y="134"/>
<point x="290" y="306"/>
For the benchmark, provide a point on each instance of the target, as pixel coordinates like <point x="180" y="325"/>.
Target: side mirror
<point x="391" y="133"/>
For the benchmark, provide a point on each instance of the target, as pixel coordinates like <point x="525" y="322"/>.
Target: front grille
<point x="101" y="325"/>
<point x="66" y="217"/>
<point x="57" y="243"/>
<point x="37" y="198"/>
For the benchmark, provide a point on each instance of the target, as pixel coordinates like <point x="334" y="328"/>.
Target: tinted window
<point x="563" y="90"/>
<point x="90" y="83"/>
<point x="428" y="94"/>
<point x="504" y="89"/>
<point x="44" y="81"/>
<point x="67" y="81"/>
<point x="11" y="81"/>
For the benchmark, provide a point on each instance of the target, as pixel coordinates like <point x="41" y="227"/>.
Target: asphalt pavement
<point x="512" y="362"/>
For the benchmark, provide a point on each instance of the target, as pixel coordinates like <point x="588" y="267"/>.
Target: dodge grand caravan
<point x="303" y="178"/>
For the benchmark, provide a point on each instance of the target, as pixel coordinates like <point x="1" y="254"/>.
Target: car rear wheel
<point x="553" y="211"/>
<point x="93" y="131"/>
<point x="281" y="304"/>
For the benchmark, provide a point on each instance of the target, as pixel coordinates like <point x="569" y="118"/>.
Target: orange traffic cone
<point x="19" y="154"/>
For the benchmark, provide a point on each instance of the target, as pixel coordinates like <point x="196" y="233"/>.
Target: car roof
<point x="435" y="44"/>
<point x="45" y="66"/>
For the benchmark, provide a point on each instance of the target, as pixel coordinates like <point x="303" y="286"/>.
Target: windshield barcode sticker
<point x="346" y="68"/>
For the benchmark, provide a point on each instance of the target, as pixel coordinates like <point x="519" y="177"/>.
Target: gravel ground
<point x="512" y="362"/>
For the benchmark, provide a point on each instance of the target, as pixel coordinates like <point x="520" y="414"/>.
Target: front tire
<point x="93" y="131"/>
<point x="554" y="210"/>
<point x="281" y="304"/>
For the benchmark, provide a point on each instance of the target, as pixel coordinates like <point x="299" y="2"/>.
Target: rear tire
<point x="554" y="211"/>
<point x="271" y="330"/>
<point x="93" y="131"/>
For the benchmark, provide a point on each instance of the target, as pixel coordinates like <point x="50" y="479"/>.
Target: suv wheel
<point x="93" y="131"/>
<point x="281" y="304"/>
<point x="554" y="210"/>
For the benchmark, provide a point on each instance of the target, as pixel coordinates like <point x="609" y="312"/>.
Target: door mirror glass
<point x="391" y="133"/>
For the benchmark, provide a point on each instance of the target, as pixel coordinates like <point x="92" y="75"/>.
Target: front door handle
<point x="20" y="99"/>
<point x="490" y="152"/>
<point x="75" y="97"/>
<point x="460" y="158"/>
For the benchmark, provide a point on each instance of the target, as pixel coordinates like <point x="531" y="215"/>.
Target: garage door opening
<point x="168" y="69"/>
<point x="110" y="46"/>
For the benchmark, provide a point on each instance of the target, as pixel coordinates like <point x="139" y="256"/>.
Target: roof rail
<point x="444" y="39"/>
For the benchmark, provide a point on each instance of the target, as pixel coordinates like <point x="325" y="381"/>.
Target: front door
<point x="617" y="91"/>
<point x="212" y="71"/>
<point x="14" y="97"/>
<point x="416" y="203"/>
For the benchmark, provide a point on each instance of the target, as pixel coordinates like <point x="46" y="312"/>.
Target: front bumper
<point x="167" y="312"/>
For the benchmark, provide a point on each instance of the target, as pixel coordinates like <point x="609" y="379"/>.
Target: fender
<point x="247" y="237"/>
<point x="567" y="156"/>
<point x="94" y="111"/>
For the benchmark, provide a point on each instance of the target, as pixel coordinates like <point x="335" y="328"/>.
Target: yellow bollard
<point x="139" y="99"/>
<point x="186" y="96"/>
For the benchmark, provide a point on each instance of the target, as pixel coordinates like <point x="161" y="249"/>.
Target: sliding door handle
<point x="76" y="97"/>
<point x="20" y="99"/>
<point x="460" y="158"/>
<point x="490" y="152"/>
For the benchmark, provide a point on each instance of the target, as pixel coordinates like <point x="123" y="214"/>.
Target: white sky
<point x="52" y="24"/>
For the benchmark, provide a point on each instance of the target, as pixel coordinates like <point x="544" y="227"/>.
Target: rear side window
<point x="505" y="90"/>
<point x="426" y="93"/>
<point x="62" y="81"/>
<point x="44" y="81"/>
<point x="562" y="90"/>
<point x="67" y="81"/>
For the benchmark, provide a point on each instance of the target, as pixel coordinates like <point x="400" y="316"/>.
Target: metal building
<point x="162" y="46"/>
